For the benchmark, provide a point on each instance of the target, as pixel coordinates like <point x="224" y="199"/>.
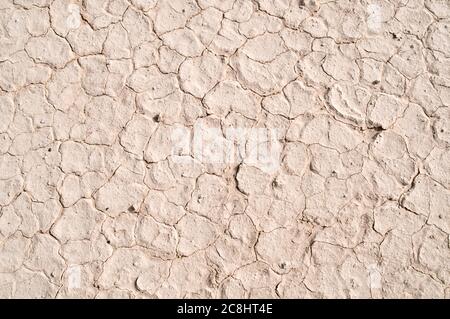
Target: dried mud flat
<point x="224" y="149"/>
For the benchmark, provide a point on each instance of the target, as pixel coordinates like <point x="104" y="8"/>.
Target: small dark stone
<point x="49" y="150"/>
<point x="157" y="118"/>
<point x="375" y="82"/>
<point x="301" y="3"/>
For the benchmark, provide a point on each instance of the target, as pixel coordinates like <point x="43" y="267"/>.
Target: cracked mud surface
<point x="97" y="202"/>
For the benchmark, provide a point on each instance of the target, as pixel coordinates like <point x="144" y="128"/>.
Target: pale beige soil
<point x="224" y="148"/>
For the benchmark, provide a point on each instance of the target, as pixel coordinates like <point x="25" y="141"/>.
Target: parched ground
<point x="224" y="148"/>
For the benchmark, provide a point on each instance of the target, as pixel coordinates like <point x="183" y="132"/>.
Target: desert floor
<point x="224" y="149"/>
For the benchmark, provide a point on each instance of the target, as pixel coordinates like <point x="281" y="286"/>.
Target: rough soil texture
<point x="98" y="200"/>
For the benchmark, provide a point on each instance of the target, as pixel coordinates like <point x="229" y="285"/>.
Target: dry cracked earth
<point x="224" y="149"/>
